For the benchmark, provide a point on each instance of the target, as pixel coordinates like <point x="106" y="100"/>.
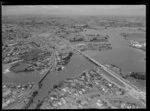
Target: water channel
<point x="127" y="58"/>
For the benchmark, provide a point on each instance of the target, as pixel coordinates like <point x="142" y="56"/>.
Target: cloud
<point x="49" y="7"/>
<point x="76" y="9"/>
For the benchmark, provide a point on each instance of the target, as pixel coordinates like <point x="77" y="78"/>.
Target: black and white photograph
<point x="73" y="56"/>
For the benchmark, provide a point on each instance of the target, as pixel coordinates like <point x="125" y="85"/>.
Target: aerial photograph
<point x="73" y="56"/>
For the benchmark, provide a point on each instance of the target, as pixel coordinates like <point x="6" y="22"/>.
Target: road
<point x="138" y="94"/>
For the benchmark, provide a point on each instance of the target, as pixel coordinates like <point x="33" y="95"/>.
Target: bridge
<point x="129" y="86"/>
<point x="134" y="91"/>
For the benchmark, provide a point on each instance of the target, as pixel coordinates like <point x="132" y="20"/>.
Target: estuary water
<point x="125" y="57"/>
<point x="76" y="65"/>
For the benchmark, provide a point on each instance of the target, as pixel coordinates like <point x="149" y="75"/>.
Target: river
<point x="125" y="57"/>
<point x="76" y="65"/>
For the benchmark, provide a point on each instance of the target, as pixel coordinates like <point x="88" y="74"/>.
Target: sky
<point x="136" y="10"/>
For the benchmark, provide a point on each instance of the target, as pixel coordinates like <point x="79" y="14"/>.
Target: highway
<point x="134" y="91"/>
